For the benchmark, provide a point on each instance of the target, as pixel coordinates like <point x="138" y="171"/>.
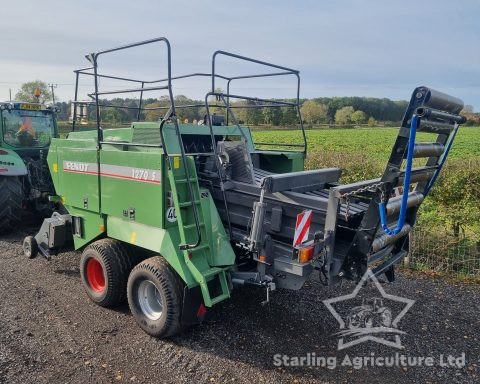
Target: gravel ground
<point x="51" y="333"/>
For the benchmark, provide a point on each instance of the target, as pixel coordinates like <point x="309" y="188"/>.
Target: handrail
<point x="142" y="89"/>
<point x="195" y="74"/>
<point x="279" y="102"/>
<point x="93" y="58"/>
<point x="82" y="71"/>
<point x="234" y="55"/>
<point x="286" y="71"/>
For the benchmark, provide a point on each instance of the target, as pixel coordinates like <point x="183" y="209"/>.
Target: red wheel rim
<point x="95" y="277"/>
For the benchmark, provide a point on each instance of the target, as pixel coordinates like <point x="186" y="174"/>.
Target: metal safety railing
<point x="153" y="85"/>
<point x="224" y="101"/>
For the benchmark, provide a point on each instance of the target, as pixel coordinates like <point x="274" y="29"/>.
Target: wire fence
<point x="440" y="250"/>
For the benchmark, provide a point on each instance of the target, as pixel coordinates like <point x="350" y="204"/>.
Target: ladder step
<point x="418" y="174"/>
<point x="389" y="263"/>
<point x="394" y="204"/>
<point x="219" y="298"/>
<point x="434" y="127"/>
<point x="222" y="280"/>
<point x="187" y="203"/>
<point x="200" y="247"/>
<point x="212" y="272"/>
<point x="383" y="240"/>
<point x="181" y="181"/>
<point x="190" y="226"/>
<point x="427" y="150"/>
<point x="374" y="257"/>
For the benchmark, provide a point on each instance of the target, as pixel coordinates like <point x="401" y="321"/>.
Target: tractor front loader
<point x="174" y="216"/>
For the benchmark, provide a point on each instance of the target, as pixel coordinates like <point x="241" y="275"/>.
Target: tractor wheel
<point x="11" y="196"/>
<point x="155" y="296"/>
<point x="104" y="268"/>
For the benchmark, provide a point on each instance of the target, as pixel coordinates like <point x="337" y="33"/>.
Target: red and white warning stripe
<point x="302" y="227"/>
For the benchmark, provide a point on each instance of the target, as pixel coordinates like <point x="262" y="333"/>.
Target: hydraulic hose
<point x="406" y="185"/>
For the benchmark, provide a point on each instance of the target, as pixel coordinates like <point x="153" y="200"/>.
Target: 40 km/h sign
<point x="171" y="214"/>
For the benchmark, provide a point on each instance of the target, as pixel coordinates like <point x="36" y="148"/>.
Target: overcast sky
<point x="342" y="48"/>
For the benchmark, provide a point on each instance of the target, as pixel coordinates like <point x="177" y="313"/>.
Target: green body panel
<point x="164" y="242"/>
<point x="139" y="196"/>
<point x="63" y="149"/>
<point x="11" y="164"/>
<point x="112" y="134"/>
<point x="93" y="226"/>
<point x="221" y="251"/>
<point x="171" y="140"/>
<point x="122" y="194"/>
<point x="281" y="161"/>
<point x="77" y="188"/>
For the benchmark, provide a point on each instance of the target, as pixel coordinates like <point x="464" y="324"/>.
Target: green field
<point x="372" y="142"/>
<point x="363" y="152"/>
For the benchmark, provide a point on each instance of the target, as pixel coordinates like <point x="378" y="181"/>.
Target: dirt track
<point x="51" y="333"/>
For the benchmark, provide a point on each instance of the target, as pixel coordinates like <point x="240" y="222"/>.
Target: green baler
<point x="174" y="216"/>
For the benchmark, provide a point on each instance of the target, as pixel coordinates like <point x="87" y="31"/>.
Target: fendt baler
<point x="174" y="216"/>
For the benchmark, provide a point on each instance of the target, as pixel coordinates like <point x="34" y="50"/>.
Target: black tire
<point x="104" y="268"/>
<point x="30" y="247"/>
<point x="156" y="272"/>
<point x="11" y="197"/>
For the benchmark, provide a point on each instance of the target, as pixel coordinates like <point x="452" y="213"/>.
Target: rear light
<point x="2" y="152"/>
<point x="305" y="254"/>
<point x="202" y="311"/>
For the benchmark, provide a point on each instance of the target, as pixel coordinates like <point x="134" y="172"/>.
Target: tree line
<point x="341" y="111"/>
<point x="327" y="111"/>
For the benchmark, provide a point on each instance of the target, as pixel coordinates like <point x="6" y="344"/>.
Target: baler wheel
<point x="30" y="247"/>
<point x="11" y="196"/>
<point x="155" y="296"/>
<point x="104" y="268"/>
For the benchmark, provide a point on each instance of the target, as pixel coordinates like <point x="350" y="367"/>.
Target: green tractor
<point x="174" y="216"/>
<point x="26" y="131"/>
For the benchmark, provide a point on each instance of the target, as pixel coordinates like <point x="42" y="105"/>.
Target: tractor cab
<point x="26" y="131"/>
<point x="27" y="128"/>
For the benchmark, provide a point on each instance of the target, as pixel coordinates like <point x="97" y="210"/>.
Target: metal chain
<point x="370" y="188"/>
